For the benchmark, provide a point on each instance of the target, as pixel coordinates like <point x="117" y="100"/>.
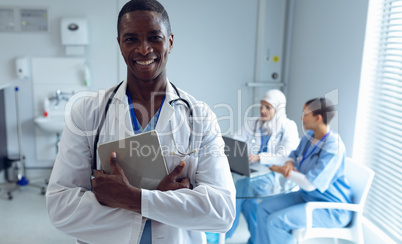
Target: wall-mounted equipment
<point x="270" y="41"/>
<point x="7" y="19"/>
<point x="74" y="34"/>
<point x="34" y="19"/>
<point x="271" y="27"/>
<point x="22" y="67"/>
<point x="24" y="19"/>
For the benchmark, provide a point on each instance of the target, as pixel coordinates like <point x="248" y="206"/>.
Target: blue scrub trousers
<point x="278" y="216"/>
<point x="258" y="186"/>
<point x="249" y="208"/>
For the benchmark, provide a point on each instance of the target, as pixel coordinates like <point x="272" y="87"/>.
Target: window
<point x="378" y="138"/>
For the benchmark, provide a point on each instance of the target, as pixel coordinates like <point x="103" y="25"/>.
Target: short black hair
<point x="322" y="106"/>
<point x="144" y="5"/>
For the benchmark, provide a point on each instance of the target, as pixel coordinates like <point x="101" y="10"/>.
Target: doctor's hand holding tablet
<point x="111" y="190"/>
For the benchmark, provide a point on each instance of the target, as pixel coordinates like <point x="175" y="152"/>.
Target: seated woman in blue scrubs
<point x="317" y="166"/>
<point x="270" y="138"/>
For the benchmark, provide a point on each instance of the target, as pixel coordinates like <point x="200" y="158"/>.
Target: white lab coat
<point x="283" y="141"/>
<point x="179" y="216"/>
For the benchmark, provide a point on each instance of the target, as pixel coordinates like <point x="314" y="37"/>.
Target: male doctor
<point x="198" y="195"/>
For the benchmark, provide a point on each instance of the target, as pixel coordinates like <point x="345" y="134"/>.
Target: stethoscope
<point x="301" y="159"/>
<point x="189" y="151"/>
<point x="253" y="141"/>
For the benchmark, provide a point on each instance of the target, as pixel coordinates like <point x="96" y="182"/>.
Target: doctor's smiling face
<point x="145" y="44"/>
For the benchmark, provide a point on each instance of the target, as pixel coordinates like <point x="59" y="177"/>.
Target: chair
<point x="15" y="177"/>
<point x="10" y="178"/>
<point x="360" y="178"/>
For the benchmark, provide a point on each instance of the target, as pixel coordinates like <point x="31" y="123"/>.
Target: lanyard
<point x="311" y="152"/>
<point x="134" y="118"/>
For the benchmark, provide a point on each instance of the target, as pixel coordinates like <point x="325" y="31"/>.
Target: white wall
<point x="326" y="54"/>
<point x="213" y="55"/>
<point x="101" y="55"/>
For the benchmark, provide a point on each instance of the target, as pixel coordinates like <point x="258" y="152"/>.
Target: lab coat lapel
<point x="123" y="120"/>
<point x="121" y="113"/>
<point x="164" y="117"/>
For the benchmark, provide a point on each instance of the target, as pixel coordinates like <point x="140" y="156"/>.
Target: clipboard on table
<point x="140" y="157"/>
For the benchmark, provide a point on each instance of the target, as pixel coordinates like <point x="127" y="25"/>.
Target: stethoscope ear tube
<point x="102" y="121"/>
<point x="191" y="121"/>
<point x="186" y="102"/>
<point x="181" y="99"/>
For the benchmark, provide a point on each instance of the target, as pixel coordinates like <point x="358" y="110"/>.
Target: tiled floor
<point x="24" y="218"/>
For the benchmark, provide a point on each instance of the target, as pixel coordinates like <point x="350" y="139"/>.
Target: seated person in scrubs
<point x="318" y="167"/>
<point x="270" y="138"/>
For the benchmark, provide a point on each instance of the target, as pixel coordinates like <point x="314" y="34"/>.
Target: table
<point x="264" y="186"/>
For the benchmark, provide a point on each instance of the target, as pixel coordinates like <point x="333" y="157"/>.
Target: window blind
<point x="380" y="116"/>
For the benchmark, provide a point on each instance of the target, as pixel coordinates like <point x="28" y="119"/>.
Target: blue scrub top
<point x="264" y="142"/>
<point x="147" y="233"/>
<point x="324" y="168"/>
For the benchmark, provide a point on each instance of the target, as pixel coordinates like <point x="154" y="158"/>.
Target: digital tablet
<point x="140" y="157"/>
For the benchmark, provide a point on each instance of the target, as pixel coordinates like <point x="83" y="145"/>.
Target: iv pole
<point x="22" y="180"/>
